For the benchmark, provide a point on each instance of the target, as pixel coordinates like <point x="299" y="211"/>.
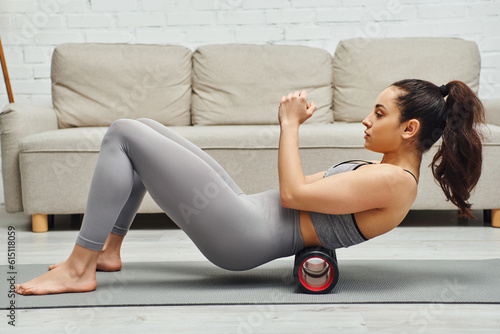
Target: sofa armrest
<point x="492" y="111"/>
<point x="16" y="122"/>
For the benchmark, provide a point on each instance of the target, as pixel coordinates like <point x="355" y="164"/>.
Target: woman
<point x="350" y="203"/>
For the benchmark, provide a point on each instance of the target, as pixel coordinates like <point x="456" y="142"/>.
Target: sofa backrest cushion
<point x="243" y="84"/>
<point x="95" y="84"/>
<point x="363" y="68"/>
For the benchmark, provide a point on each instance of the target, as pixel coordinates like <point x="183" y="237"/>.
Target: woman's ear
<point x="411" y="128"/>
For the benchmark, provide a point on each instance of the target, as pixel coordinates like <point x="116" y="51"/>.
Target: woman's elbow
<point x="287" y="201"/>
<point x="285" y="204"/>
<point x="284" y="200"/>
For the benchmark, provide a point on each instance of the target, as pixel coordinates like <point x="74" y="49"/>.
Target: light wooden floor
<point x="424" y="235"/>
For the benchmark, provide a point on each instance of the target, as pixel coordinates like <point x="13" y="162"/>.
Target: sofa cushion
<point x="363" y="68"/>
<point x="243" y="84"/>
<point x="95" y="84"/>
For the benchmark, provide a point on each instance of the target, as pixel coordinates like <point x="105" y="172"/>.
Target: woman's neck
<point x="407" y="159"/>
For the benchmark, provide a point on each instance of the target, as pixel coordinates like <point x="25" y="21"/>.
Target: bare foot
<point x="54" y="266"/>
<point x="61" y="279"/>
<point x="109" y="262"/>
<point x="106" y="262"/>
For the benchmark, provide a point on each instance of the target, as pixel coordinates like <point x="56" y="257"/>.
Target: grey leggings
<point x="233" y="230"/>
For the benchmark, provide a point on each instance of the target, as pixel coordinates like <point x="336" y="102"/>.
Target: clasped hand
<point x="294" y="108"/>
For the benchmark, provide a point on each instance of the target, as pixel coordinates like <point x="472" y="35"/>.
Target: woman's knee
<point x="150" y="123"/>
<point x="121" y="125"/>
<point x="119" y="129"/>
<point x="145" y="120"/>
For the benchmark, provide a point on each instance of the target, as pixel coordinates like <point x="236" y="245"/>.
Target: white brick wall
<point x="5" y="22"/>
<point x="241" y="17"/>
<point x="259" y="4"/>
<point x="113" y="5"/>
<point x="90" y="21"/>
<point x="141" y="20"/>
<point x="30" y="29"/>
<point x="439" y="12"/>
<point x="18" y="6"/>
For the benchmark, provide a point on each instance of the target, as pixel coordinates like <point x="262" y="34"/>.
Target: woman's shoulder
<point x="389" y="173"/>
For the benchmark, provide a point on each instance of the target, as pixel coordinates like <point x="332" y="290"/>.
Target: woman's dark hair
<point x="451" y="112"/>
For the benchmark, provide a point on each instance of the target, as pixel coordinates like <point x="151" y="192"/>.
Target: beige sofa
<point x="224" y="98"/>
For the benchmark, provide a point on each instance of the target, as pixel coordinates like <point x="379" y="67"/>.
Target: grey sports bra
<point x="337" y="231"/>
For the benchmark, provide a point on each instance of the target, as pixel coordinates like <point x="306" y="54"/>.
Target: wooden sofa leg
<point x="40" y="223"/>
<point x="495" y="217"/>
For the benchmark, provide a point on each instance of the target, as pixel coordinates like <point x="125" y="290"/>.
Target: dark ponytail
<point x="452" y="112"/>
<point x="457" y="163"/>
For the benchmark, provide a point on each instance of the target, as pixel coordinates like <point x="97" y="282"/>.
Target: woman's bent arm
<point x="291" y="176"/>
<point x="294" y="110"/>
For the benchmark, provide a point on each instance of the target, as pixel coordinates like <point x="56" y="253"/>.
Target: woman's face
<point x="383" y="128"/>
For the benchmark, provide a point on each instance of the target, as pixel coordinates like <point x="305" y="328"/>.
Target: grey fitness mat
<point x="201" y="283"/>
